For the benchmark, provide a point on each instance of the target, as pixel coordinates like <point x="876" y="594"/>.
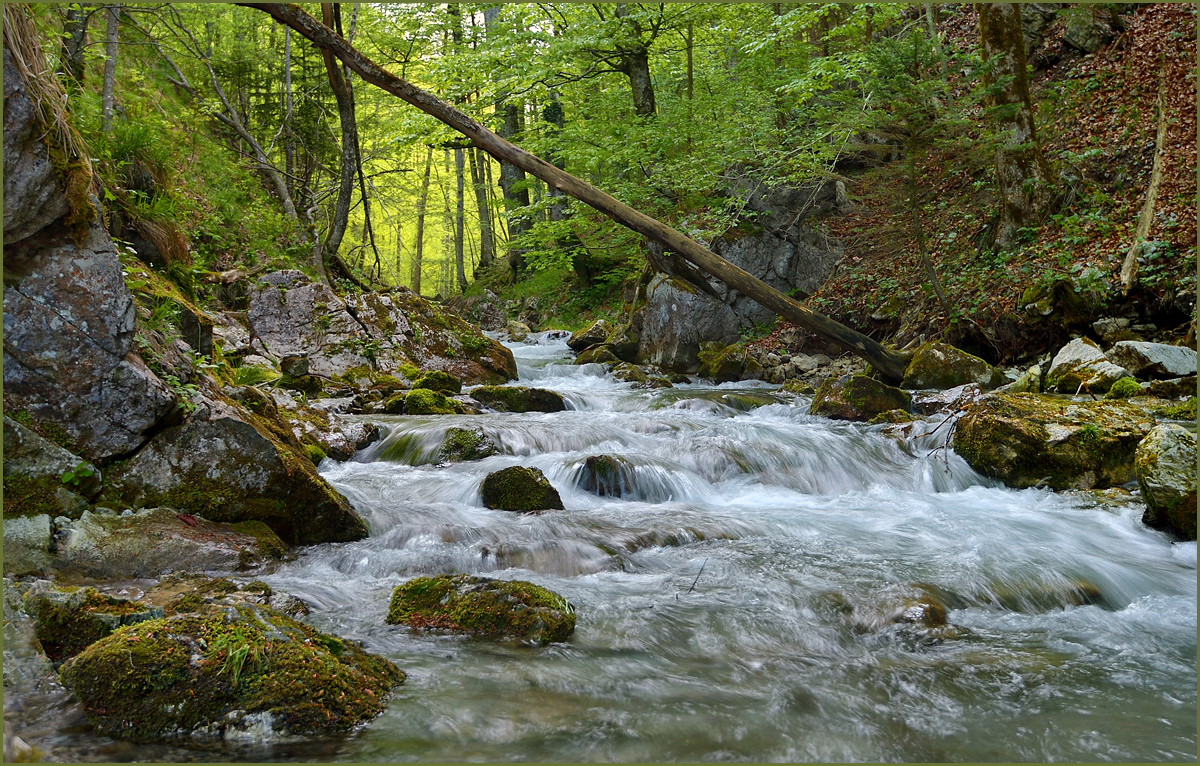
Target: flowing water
<point x="736" y="601"/>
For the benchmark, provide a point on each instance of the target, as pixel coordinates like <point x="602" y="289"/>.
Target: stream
<point x="733" y="604"/>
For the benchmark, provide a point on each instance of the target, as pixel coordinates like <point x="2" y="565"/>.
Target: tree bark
<point x="636" y="66"/>
<point x="511" y="177"/>
<point x="889" y="363"/>
<point x="345" y="106"/>
<point x="1024" y="175"/>
<point x="110" y="66"/>
<point x="289" y="140"/>
<point x="458" y="219"/>
<point x="75" y="28"/>
<point x="487" y="242"/>
<point x="422" y="200"/>
<point x="1129" y="268"/>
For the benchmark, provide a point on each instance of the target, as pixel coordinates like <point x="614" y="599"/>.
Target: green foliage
<point x="75" y="476"/>
<point x="253" y="375"/>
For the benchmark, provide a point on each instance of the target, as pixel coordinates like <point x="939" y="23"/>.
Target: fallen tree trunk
<point x="890" y="363"/>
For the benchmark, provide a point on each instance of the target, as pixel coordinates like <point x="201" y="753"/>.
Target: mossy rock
<point x="725" y="364"/>
<point x="857" y="397"/>
<point x="1026" y="439"/>
<point x="520" y="488"/>
<point x="394" y="405"/>
<point x="436" y="380"/>
<point x="519" y="399"/>
<point x="483" y="607"/>
<point x="269" y="544"/>
<point x="68" y="621"/>
<point x="1165" y="462"/>
<point x="594" y="333"/>
<point x="941" y="366"/>
<point x="608" y="476"/>
<point x="799" y="387"/>
<point x="630" y="373"/>
<point x="892" y="416"/>
<point x="599" y="354"/>
<point x="425" y="401"/>
<point x="248" y="669"/>
<point x="309" y="385"/>
<point x="1123" y="389"/>
<point x="465" y="444"/>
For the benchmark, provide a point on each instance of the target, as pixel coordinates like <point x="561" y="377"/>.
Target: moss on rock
<point x="68" y="621"/>
<point x="519" y="399"/>
<point x="464" y="444"/>
<point x="249" y="667"/>
<point x="1123" y="389"/>
<point x="484" y="607"/>
<point x="941" y="366"/>
<point x="425" y="401"/>
<point x="1027" y="439"/>
<point x="436" y="380"/>
<point x="269" y="544"/>
<point x="1165" y="462"/>
<point x="857" y="397"/>
<point x="520" y="488"/>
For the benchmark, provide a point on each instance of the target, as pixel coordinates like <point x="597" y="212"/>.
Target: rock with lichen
<point x="596" y="332"/>
<point x="465" y="444"/>
<point x="1154" y="360"/>
<point x="942" y="366"/>
<point x="68" y="620"/>
<point x="1080" y="366"/>
<point x="520" y="488"/>
<point x="247" y="673"/>
<point x="1165" y="462"/>
<point x="1026" y="440"/>
<point x="425" y="401"/>
<point x="857" y="397"/>
<point x="484" y="607"/>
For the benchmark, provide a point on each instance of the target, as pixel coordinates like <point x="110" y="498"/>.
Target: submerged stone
<point x="248" y="673"/>
<point x="520" y="488"/>
<point x="519" y="399"/>
<point x="598" y="354"/>
<point x="1025" y="440"/>
<point x="607" y="476"/>
<point x="483" y="606"/>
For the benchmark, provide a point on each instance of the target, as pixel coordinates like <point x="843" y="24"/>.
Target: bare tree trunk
<point x="511" y="176"/>
<point x="345" y="105"/>
<point x="422" y="200"/>
<point x="487" y="242"/>
<point x="1130" y="267"/>
<point x="75" y="29"/>
<point x="458" y="220"/>
<point x="110" y="66"/>
<point x="636" y="66"/>
<point x="289" y="140"/>
<point x="889" y="363"/>
<point x="1021" y="168"/>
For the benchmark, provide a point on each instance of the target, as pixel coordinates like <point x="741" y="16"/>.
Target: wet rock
<point x="607" y="476"/>
<point x="678" y="317"/>
<point x="68" y="621"/>
<point x="27" y="543"/>
<point x="728" y="363"/>
<point x="1029" y="382"/>
<point x="464" y="444"/>
<point x="1025" y="440"/>
<point x="1082" y="366"/>
<point x="942" y="366"/>
<point x="654" y="382"/>
<point x="630" y="373"/>
<point x="519" y="399"/>
<point x="424" y="401"/>
<point x="596" y="332"/>
<point x="517" y="331"/>
<point x="313" y="425"/>
<point x="950" y="400"/>
<point x="893" y="417"/>
<point x="1166" y="473"/>
<point x="484" y="607"/>
<point x="599" y="354"/>
<point x="1175" y="388"/>
<point x="624" y="343"/>
<point x="1032" y="596"/>
<point x="436" y="380"/>
<point x="248" y="674"/>
<point x="519" y="488"/>
<point x="909" y="604"/>
<point x="857" y="397"/>
<point x="229" y="463"/>
<point x="150" y="542"/>
<point x="41" y="477"/>
<point x="1154" y="360"/>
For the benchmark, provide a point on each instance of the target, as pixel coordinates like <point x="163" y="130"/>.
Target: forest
<point x="600" y="381"/>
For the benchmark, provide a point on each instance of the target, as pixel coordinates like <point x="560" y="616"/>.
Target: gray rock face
<point x="939" y="365"/>
<point x="30" y="456"/>
<point x="27" y="545"/>
<point x="33" y="191"/>
<point x="1088" y="29"/>
<point x="68" y="335"/>
<point x="1154" y="360"/>
<point x="1166" y="473"/>
<point x="1081" y="365"/>
<point x="220" y="465"/>
<point x="596" y="332"/>
<point x="677" y="319"/>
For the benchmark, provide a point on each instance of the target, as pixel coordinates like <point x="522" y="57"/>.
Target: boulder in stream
<point x="424" y="401"/>
<point x="520" y="488"/>
<point x="1082" y="366"/>
<point x="519" y="399"/>
<point x="436" y="380"/>
<point x="465" y="444"/>
<point x="1166" y="473"/>
<point x="1154" y="360"/>
<point x="942" y="366"/>
<point x="483" y="606"/>
<point x="607" y="476"/>
<point x="246" y="674"/>
<point x="596" y="332"/>
<point x="857" y="397"/>
<point x="68" y="620"/>
<point x="1027" y="440"/>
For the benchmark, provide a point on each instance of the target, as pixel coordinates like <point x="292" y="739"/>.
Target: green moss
<point x="409" y="371"/>
<point x="394" y="405"/>
<point x="1123" y="389"/>
<point x="142" y="683"/>
<point x="269" y="543"/>
<point x="315" y="453"/>
<point x="1185" y="410"/>
<point x="257" y="586"/>
<point x="68" y="621"/>
<point x="481" y="606"/>
<point x="51" y="432"/>
<point x="857" y="397"/>
<point x="188" y="602"/>
<point x="463" y="444"/>
<point x="519" y="399"/>
<point x="310" y="385"/>
<point x="891" y="416"/>
<point x="424" y="401"/>
<point x="519" y="488"/>
<point x="25" y="496"/>
<point x="436" y="380"/>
